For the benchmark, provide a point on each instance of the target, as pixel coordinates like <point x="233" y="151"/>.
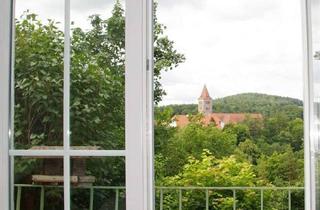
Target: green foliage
<point x="181" y="108"/>
<point x="267" y="105"/>
<point x="269" y="149"/>
<point x="295" y="134"/>
<point x="38" y="82"/>
<point x="282" y="169"/>
<point x="272" y="148"/>
<point x="274" y="125"/>
<point x="194" y="138"/>
<point x="210" y="171"/>
<point x="279" y="129"/>
<point x="242" y="131"/>
<point x="248" y="150"/>
<point x="256" y="127"/>
<point x="97" y="82"/>
<point x="163" y="130"/>
<point x="191" y="140"/>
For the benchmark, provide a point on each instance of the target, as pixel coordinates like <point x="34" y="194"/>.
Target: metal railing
<point x="161" y="191"/>
<point x="42" y="188"/>
<point x="234" y="191"/>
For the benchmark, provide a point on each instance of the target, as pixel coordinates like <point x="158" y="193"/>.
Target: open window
<point x="77" y="93"/>
<point x="76" y="78"/>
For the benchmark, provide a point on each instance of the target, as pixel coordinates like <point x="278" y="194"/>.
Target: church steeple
<point x="205" y="102"/>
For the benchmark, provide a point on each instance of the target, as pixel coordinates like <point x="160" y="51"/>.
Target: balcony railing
<point x="161" y="191"/>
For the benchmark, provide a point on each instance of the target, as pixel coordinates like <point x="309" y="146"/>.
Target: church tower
<point x="205" y="102"/>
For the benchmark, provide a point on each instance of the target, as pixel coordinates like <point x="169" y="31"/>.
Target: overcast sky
<point x="232" y="46"/>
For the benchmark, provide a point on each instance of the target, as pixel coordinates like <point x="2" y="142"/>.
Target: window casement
<point x="138" y="152"/>
<point x="311" y="131"/>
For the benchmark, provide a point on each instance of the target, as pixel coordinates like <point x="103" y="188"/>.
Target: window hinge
<point x="148" y="64"/>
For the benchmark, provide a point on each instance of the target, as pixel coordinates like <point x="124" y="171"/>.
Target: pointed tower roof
<point x="205" y="94"/>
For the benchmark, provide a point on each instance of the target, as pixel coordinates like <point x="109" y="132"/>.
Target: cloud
<point x="235" y="46"/>
<point x="174" y="3"/>
<point x="80" y="10"/>
<point x="47" y="9"/>
<point x="315" y="18"/>
<point x="94" y="5"/>
<point x="241" y="9"/>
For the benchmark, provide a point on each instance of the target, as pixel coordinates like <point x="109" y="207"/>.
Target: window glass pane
<point x="315" y="26"/>
<point x="101" y="183"/>
<point x="38" y="73"/>
<point x="97" y="73"/>
<point x="38" y="183"/>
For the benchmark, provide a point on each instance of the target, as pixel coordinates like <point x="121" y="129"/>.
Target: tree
<point x="240" y="130"/>
<point x="274" y="125"/>
<point x="282" y="169"/>
<point x="97" y="80"/>
<point x="210" y="171"/>
<point x="295" y="128"/>
<point x="192" y="139"/>
<point x="249" y="151"/>
<point x="163" y="130"/>
<point x="256" y="127"/>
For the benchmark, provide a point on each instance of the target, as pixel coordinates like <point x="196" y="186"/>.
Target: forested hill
<point x="249" y="103"/>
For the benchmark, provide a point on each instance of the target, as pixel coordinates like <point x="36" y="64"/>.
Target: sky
<point x="232" y="46"/>
<point x="54" y="9"/>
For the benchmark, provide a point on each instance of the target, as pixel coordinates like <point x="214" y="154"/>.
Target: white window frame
<point x="139" y="108"/>
<point x="5" y="66"/>
<point x="139" y="115"/>
<point x="309" y="129"/>
<point x="139" y="101"/>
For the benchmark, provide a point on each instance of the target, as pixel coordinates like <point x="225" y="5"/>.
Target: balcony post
<point x="91" y="198"/>
<point x="289" y="199"/>
<point x="261" y="198"/>
<point x="234" y="200"/>
<point x="207" y="199"/>
<point x="18" y="204"/>
<point x="180" y="199"/>
<point x="116" y="205"/>
<point x="42" y="198"/>
<point x="161" y="199"/>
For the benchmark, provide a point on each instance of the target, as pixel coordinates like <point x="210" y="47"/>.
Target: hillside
<point x="249" y="103"/>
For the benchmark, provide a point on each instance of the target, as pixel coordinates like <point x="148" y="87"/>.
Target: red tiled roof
<point x="205" y="94"/>
<point x="181" y="120"/>
<point x="217" y="118"/>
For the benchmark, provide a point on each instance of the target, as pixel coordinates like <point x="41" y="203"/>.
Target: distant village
<point x="210" y="117"/>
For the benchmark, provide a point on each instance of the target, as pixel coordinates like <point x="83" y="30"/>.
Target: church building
<point x="205" y="102"/>
<point x="209" y="117"/>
